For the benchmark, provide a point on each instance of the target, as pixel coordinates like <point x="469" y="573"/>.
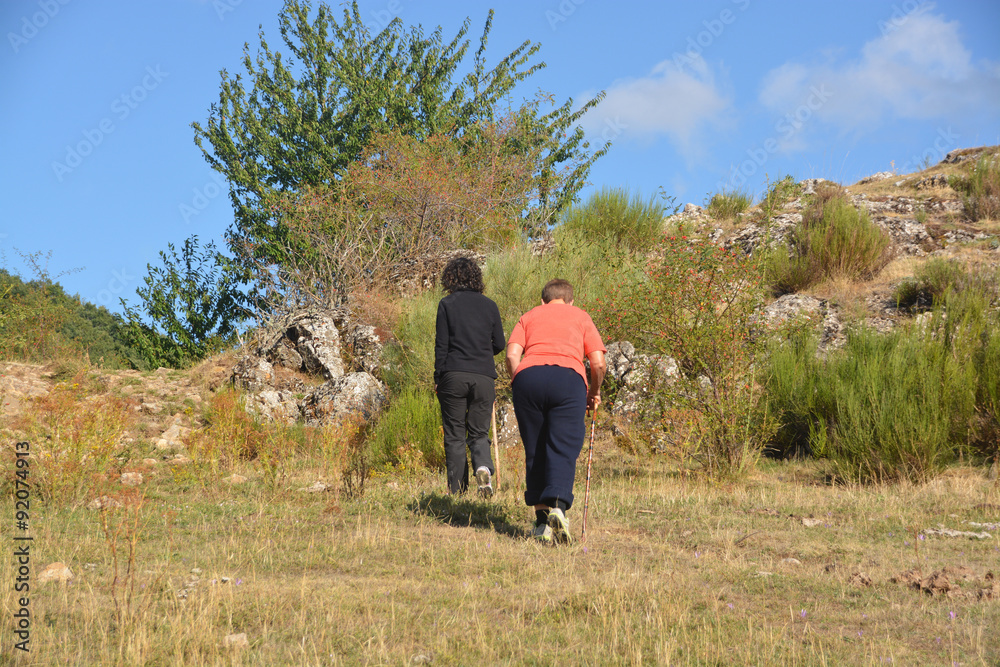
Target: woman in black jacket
<point x="469" y="335"/>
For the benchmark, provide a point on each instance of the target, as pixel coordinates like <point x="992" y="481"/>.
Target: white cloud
<point x="918" y="69"/>
<point x="673" y="100"/>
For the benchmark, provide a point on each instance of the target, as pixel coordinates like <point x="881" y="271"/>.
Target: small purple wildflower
<point x="952" y="615"/>
<point x="730" y="605"/>
<point x="921" y="537"/>
<point x="802" y="613"/>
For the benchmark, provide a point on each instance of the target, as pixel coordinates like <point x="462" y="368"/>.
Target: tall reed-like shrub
<point x="894" y="406"/>
<point x="980" y="189"/>
<point x="835" y="239"/>
<point x="613" y="215"/>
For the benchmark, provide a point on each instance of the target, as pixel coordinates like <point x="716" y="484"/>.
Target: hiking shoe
<point x="485" y="482"/>
<point x="560" y="526"/>
<point x="542" y="533"/>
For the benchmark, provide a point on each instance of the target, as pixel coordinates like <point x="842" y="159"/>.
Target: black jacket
<point x="469" y="335"/>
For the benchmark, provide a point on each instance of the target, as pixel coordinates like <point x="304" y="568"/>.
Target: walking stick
<point x="496" y="446"/>
<point x="590" y="460"/>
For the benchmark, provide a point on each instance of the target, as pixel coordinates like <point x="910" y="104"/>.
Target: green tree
<point x="297" y="123"/>
<point x="195" y="303"/>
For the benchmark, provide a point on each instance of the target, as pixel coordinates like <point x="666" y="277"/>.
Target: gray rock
<point x="809" y="185"/>
<point x="874" y="178"/>
<point x="352" y="394"/>
<point x="253" y="373"/>
<point x="773" y="235"/>
<point x="791" y="307"/>
<point x="317" y="341"/>
<point x="274" y="405"/>
<point x="366" y="348"/>
<point x="286" y="355"/>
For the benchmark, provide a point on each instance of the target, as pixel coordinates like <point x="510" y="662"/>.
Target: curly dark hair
<point x="462" y="273"/>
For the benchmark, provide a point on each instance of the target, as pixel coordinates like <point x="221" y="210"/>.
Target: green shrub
<point x="933" y="281"/>
<point x="779" y="193"/>
<point x="697" y="303"/>
<point x="726" y="205"/>
<point x="835" y="239"/>
<point x="195" y="303"/>
<point x="980" y="189"/>
<point x="408" y="432"/>
<point x="788" y="273"/>
<point x="614" y="216"/>
<point x="896" y="406"/>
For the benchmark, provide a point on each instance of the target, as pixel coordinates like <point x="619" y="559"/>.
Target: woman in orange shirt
<point x="545" y="356"/>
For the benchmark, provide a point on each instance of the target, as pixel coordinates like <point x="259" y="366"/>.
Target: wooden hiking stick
<point x="590" y="460"/>
<point x="496" y="446"/>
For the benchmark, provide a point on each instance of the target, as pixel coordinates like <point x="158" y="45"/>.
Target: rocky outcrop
<point x="756" y="236"/>
<point x="796" y="308"/>
<point x="633" y="375"/>
<point x="354" y="394"/>
<point x="309" y="348"/>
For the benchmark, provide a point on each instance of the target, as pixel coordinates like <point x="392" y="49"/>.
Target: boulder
<point x="365" y="346"/>
<point x="274" y="405"/>
<point x="634" y="374"/>
<point x="352" y="394"/>
<point x="317" y="341"/>
<point x="253" y="373"/>
<point x="874" y="178"/>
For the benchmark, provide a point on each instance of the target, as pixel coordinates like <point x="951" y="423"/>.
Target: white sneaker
<point x="560" y="526"/>
<point x="485" y="482"/>
<point x="542" y="533"/>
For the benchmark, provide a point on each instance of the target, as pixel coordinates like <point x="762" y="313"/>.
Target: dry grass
<point x="674" y="571"/>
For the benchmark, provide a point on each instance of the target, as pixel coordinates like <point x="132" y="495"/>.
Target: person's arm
<point x="440" y="343"/>
<point x="498" y="338"/>
<point x="598" y="368"/>
<point x="514" y="352"/>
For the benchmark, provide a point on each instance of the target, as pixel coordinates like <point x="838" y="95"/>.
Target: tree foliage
<point x="410" y="199"/>
<point x="194" y="302"/>
<point x="297" y="123"/>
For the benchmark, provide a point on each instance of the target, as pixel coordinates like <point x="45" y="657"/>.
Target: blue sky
<point x="100" y="167"/>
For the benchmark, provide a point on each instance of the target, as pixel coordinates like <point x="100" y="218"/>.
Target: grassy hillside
<point x="186" y="522"/>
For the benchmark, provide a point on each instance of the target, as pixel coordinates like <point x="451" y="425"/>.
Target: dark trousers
<point x="550" y="403"/>
<point x="466" y="404"/>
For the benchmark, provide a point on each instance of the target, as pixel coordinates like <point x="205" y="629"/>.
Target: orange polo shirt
<point x="556" y="334"/>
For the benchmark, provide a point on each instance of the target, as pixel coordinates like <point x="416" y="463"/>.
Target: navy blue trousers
<point x="550" y="403"/>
